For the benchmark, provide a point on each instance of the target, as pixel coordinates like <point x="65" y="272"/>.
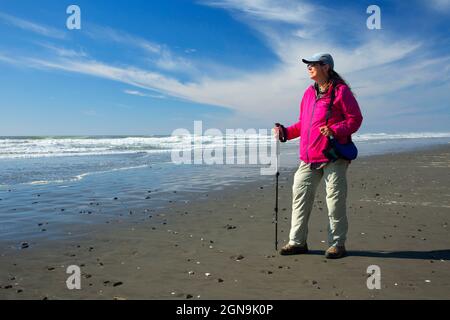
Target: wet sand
<point x="221" y="245"/>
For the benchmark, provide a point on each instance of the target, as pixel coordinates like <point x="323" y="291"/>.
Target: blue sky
<point x="149" y="67"/>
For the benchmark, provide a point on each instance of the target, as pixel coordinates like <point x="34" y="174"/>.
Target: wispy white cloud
<point x="90" y="113"/>
<point x="442" y="6"/>
<point x="7" y="59"/>
<point x="287" y="11"/>
<point x="377" y="66"/>
<point x="32" y="26"/>
<point x="62" y="51"/>
<point x="141" y="94"/>
<point x="157" y="54"/>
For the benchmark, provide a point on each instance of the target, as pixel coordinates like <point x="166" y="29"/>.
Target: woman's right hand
<point x="278" y="132"/>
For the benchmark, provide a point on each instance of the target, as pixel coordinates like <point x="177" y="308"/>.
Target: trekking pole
<point x="277" y="150"/>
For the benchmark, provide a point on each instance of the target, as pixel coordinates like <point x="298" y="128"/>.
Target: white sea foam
<point x="82" y="176"/>
<point x="393" y="136"/>
<point x="39" y="147"/>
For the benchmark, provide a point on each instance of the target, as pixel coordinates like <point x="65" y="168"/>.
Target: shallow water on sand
<point x="38" y="195"/>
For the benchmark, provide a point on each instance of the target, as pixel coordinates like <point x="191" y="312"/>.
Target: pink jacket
<point x="345" y="120"/>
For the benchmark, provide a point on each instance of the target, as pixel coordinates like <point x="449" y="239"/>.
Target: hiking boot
<point x="288" y="250"/>
<point x="335" y="252"/>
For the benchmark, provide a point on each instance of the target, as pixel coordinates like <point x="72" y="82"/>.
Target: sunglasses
<point x="314" y="64"/>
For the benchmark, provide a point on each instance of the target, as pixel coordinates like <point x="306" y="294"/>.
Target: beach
<point x="219" y="244"/>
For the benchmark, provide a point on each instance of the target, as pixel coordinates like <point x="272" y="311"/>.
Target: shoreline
<point x="132" y="259"/>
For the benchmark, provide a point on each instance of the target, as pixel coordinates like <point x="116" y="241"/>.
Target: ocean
<point x="46" y="180"/>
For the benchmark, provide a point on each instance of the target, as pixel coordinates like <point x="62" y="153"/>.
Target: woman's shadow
<point x="423" y="255"/>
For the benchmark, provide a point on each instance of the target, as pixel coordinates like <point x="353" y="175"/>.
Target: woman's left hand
<point x="326" y="131"/>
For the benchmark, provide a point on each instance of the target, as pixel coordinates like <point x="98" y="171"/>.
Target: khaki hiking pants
<point x="304" y="188"/>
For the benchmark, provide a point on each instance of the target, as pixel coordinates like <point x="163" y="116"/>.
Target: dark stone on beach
<point x="261" y="188"/>
<point x="116" y="284"/>
<point x="189" y="296"/>
<point x="50" y="268"/>
<point x="25" y="245"/>
<point x="115" y="198"/>
<point x="230" y="227"/>
<point x="377" y="195"/>
<point x="8" y="287"/>
<point x="219" y="280"/>
<point x="314" y="282"/>
<point x="63" y="209"/>
<point x="239" y="257"/>
<point x="19" y="291"/>
<point x="146" y="198"/>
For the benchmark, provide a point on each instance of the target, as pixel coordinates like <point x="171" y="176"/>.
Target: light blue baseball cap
<point x="325" y="58"/>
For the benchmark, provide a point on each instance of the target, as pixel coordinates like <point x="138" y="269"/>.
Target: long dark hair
<point x="336" y="78"/>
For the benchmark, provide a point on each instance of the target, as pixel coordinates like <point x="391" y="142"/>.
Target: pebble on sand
<point x="238" y="257"/>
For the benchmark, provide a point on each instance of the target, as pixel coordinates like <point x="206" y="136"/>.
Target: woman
<point x="314" y="127"/>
